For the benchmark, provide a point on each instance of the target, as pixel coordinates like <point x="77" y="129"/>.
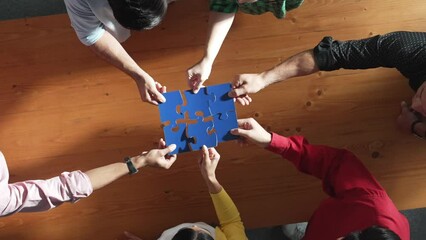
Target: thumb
<point x="240" y="132"/>
<point x="168" y="149"/>
<point x="198" y="85"/>
<point x="158" y="95"/>
<point x="205" y="152"/>
<point x="236" y="92"/>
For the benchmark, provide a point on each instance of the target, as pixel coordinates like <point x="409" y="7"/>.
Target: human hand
<point x="198" y="74"/>
<point x="244" y="84"/>
<point x="157" y="157"/>
<point x="251" y="130"/>
<point x="150" y="90"/>
<point x="406" y="118"/>
<point x="208" y="162"/>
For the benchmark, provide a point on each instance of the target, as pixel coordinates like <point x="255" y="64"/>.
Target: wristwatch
<point x="130" y="166"/>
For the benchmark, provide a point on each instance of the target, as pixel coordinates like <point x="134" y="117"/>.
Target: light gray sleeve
<point x="87" y="26"/>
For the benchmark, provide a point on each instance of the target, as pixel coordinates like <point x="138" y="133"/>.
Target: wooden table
<point x="62" y="109"/>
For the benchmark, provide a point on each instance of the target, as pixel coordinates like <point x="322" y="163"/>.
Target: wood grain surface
<point x="62" y="109"/>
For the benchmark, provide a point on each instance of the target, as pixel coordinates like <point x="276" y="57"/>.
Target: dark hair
<point x="139" y="14"/>
<point x="373" y="233"/>
<point x="191" y="234"/>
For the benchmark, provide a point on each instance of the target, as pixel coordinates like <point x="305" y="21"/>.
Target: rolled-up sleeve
<point x="41" y="195"/>
<point x="87" y="26"/>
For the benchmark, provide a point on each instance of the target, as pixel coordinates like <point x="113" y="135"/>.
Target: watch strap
<point x="130" y="166"/>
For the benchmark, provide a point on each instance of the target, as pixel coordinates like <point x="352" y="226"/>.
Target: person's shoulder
<point x="77" y="6"/>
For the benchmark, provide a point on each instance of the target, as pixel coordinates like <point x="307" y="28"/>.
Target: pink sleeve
<point x="339" y="169"/>
<point x="40" y="195"/>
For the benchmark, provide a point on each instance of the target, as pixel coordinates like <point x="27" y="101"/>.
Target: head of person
<point x="193" y="233"/>
<point x="139" y="14"/>
<point x="372" y="233"/>
<point x="419" y="100"/>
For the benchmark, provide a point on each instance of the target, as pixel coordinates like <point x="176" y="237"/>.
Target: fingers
<point x="158" y="96"/>
<point x="404" y="108"/>
<point x="161" y="144"/>
<point x="238" y="81"/>
<point x="237" y="92"/>
<point x="146" y="97"/>
<point x="197" y="85"/>
<point x="240" y="132"/>
<point x="213" y="154"/>
<point x="160" y="88"/>
<point x="205" y="152"/>
<point x="172" y="160"/>
<point x="245" y="122"/>
<point x="193" y="78"/>
<point x="244" y="100"/>
<point x="168" y="149"/>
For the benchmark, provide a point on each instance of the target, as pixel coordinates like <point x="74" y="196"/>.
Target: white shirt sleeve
<point x="88" y="27"/>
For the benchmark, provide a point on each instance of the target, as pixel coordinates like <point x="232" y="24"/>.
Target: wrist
<point x="140" y="76"/>
<point x="208" y="59"/>
<point x="213" y="185"/>
<point x="210" y="178"/>
<point x="267" y="141"/>
<point x="267" y="78"/>
<point x="139" y="161"/>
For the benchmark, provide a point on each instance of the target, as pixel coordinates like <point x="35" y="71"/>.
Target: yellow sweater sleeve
<point x="231" y="226"/>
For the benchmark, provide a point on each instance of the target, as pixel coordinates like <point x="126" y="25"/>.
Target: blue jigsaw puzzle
<point x="202" y="133"/>
<point x="222" y="108"/>
<point x="192" y="120"/>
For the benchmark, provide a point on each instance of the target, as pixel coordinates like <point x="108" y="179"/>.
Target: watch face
<point x="130" y="166"/>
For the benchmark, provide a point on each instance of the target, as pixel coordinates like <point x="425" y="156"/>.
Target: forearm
<point x="301" y="64"/>
<point x="219" y="25"/>
<point x="102" y="176"/>
<point x="109" y="49"/>
<point x="339" y="169"/>
<point x="228" y="215"/>
<point x="42" y="195"/>
<point x="212" y="184"/>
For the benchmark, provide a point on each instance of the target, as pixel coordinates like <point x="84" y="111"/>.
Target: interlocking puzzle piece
<point x="223" y="126"/>
<point x="177" y="135"/>
<point x="202" y="132"/>
<point x="192" y="120"/>
<point x="219" y="101"/>
<point x="196" y="102"/>
<point x="169" y="111"/>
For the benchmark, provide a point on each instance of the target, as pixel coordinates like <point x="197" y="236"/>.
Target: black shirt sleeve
<point x="405" y="51"/>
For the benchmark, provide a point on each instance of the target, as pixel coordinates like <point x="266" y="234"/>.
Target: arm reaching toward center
<point x="339" y="170"/>
<point x="227" y="213"/>
<point x="109" y="49"/>
<point x="301" y="64"/>
<point x="42" y="195"/>
<point x="219" y="25"/>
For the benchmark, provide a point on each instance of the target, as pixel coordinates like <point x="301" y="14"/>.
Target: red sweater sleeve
<point x="339" y="169"/>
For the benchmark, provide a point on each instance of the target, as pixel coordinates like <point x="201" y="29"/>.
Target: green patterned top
<point x="278" y="7"/>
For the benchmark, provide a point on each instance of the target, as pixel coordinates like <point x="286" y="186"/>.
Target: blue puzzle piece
<point x="219" y="101"/>
<point x="201" y="133"/>
<point x="177" y="135"/>
<point x="193" y="120"/>
<point x="223" y="126"/>
<point x="196" y="102"/>
<point x="169" y="109"/>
